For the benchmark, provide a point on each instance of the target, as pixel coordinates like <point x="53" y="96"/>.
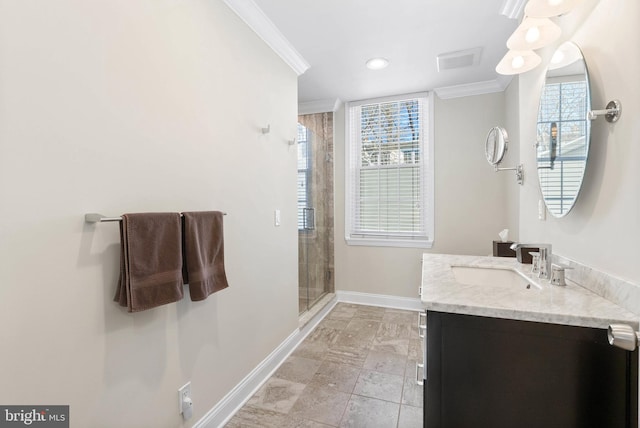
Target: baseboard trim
<point x="224" y="410"/>
<point x="383" y="300"/>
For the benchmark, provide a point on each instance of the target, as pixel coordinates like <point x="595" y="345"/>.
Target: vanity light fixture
<point x="534" y="33"/>
<point x="549" y="8"/>
<point x="516" y="62"/>
<point x="377" y="63"/>
<point x="564" y="56"/>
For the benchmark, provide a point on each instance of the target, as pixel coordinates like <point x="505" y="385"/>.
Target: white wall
<point x="131" y="106"/>
<point x="471" y="205"/>
<point x="603" y="229"/>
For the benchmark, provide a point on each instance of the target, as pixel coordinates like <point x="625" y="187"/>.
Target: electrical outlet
<point x="184" y="400"/>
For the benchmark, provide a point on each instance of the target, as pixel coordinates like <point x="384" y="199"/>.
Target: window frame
<point x="307" y="180"/>
<point x="427" y="191"/>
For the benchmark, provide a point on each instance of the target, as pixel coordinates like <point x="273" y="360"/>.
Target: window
<point x="304" y="176"/>
<point x="389" y="172"/>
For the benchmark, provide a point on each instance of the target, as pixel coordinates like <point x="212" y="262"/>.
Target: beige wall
<point x="131" y="106"/>
<point x="603" y="229"/>
<point x="471" y="206"/>
<point x="512" y="124"/>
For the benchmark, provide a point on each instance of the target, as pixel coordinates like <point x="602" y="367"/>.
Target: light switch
<point x="542" y="210"/>
<point x="276" y="217"/>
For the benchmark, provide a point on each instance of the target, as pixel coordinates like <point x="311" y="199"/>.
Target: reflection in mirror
<point x="563" y="131"/>
<point x="496" y="145"/>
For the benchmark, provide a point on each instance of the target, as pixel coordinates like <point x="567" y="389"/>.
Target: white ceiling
<point x="336" y="37"/>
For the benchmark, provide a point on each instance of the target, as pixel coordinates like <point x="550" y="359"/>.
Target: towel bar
<point x="98" y="218"/>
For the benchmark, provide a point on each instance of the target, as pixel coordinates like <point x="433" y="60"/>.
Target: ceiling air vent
<point x="459" y="59"/>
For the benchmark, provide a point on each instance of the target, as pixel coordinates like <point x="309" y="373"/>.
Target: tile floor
<point x="356" y="369"/>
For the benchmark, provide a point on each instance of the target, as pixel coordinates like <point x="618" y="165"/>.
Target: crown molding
<point x="477" y="88"/>
<point x="255" y="18"/>
<point x="320" y="106"/>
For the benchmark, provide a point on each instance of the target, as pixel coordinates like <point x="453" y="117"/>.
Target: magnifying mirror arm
<point x="611" y="113"/>
<point x="518" y="169"/>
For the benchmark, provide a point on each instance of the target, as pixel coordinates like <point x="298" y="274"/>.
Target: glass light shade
<point x="549" y="8"/>
<point x="517" y="62"/>
<point x="534" y="33"/>
<point x="564" y="56"/>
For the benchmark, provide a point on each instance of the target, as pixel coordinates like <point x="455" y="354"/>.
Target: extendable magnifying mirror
<point x="496" y="145"/>
<point x="495" y="148"/>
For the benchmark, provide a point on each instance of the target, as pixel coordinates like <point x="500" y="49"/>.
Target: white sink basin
<point x="492" y="277"/>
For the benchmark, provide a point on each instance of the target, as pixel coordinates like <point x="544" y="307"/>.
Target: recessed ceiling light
<point x="377" y="63"/>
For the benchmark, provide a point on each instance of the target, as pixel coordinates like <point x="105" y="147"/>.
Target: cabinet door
<point x="486" y="372"/>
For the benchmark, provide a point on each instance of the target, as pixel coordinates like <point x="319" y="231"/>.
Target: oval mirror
<point x="563" y="130"/>
<point x="496" y="145"/>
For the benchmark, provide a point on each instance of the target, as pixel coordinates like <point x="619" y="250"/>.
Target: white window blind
<point x="389" y="172"/>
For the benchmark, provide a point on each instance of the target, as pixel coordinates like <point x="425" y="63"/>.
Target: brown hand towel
<point x="150" y="260"/>
<point x="204" y="253"/>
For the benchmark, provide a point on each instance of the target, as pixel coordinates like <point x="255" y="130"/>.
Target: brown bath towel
<point x="150" y="260"/>
<point x="204" y="253"/>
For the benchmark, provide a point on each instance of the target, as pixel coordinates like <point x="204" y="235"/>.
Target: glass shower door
<point x="315" y="210"/>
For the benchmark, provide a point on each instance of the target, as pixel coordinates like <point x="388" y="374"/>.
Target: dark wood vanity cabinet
<point x="495" y="373"/>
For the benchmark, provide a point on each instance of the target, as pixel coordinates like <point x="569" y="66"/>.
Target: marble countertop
<point x="569" y="305"/>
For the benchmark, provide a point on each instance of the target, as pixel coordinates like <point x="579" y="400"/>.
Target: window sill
<point x="398" y="243"/>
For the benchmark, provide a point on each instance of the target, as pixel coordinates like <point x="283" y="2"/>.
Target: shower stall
<point x="315" y="208"/>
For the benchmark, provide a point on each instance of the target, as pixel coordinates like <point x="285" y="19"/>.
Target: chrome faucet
<point x="545" y="262"/>
<point x="544" y="250"/>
